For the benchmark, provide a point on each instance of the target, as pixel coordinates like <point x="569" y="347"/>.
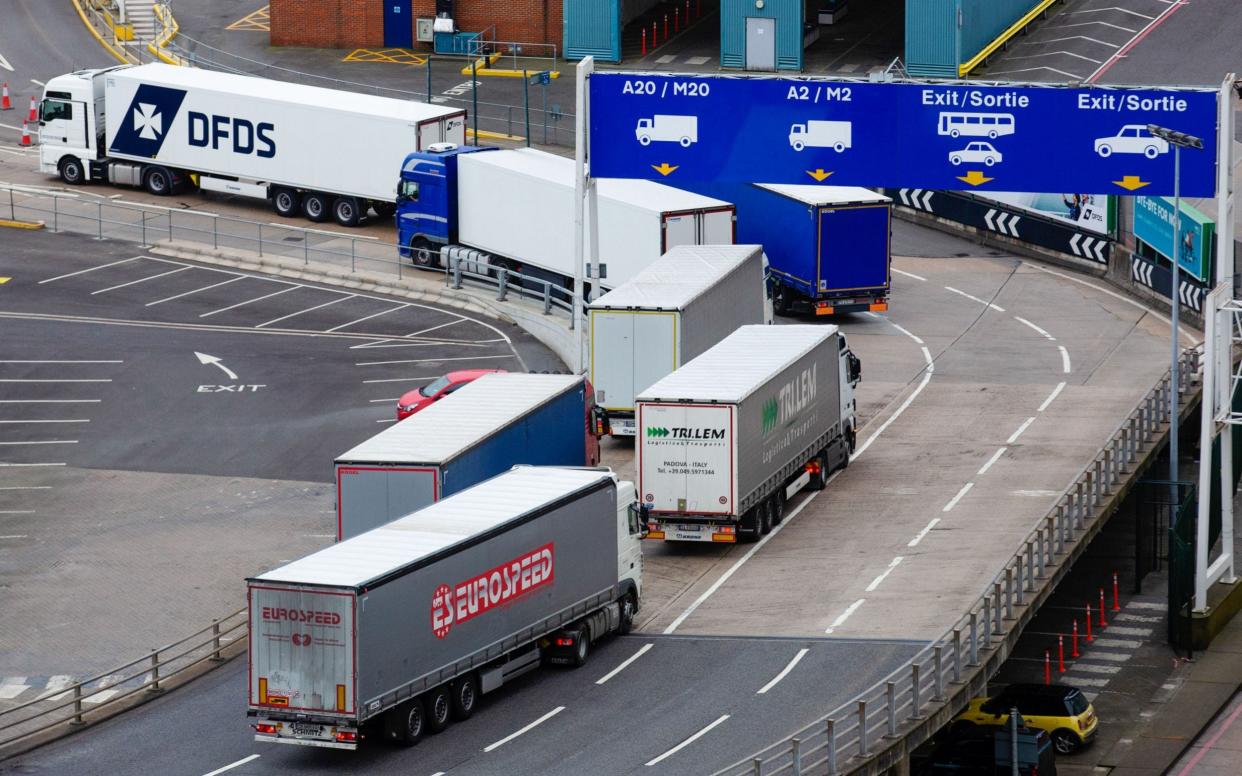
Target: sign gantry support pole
<point x="583" y="188"/>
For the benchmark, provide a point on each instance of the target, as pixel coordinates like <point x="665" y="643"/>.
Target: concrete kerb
<point x="416" y="285"/>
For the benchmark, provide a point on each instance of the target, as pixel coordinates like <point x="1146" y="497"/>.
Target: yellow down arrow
<point x="974" y="178"/>
<point x="818" y="174"/>
<point x="1132" y="182"/>
<point x="664" y="168"/>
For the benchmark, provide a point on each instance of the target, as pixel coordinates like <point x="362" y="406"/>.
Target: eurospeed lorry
<point x="398" y="631"/>
<point x="488" y="426"/>
<point x="686" y="301"/>
<point x="729" y="437"/>
<point x="515" y="209"/>
<point x="322" y="153"/>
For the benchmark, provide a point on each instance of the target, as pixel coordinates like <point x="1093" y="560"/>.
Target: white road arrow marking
<point x="5" y="63"/>
<point x="203" y="358"/>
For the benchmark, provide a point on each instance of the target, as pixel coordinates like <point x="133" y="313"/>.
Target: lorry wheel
<point x="781" y="303"/>
<point x="750" y="528"/>
<point x="765" y="518"/>
<point x="315" y="207"/>
<point x="818" y="481"/>
<point x="407" y="723"/>
<point x="439" y="708"/>
<point x="71" y="171"/>
<point x="286" y="202"/>
<point x="384" y="209"/>
<point x="627" y="615"/>
<point x="422" y="253"/>
<point x="347" y="211"/>
<point x="158" y="182"/>
<point x="778" y="508"/>
<point x="582" y="646"/>
<point x="465" y="697"/>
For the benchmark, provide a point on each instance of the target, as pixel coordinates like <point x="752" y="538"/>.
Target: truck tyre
<point x="781" y="304"/>
<point x="439" y="708"/>
<point x="749" y="527"/>
<point x="158" y="181"/>
<point x="582" y="646"/>
<point x="384" y="209"/>
<point x="286" y="202"/>
<point x="347" y="211"/>
<point x="765" y="518"/>
<point x="71" y="171"/>
<point x="778" y="507"/>
<point x="407" y="723"/>
<point x="423" y="253"/>
<point x="465" y="697"/>
<point x="818" y="481"/>
<point x="627" y="615"/>
<point x="315" y="207"/>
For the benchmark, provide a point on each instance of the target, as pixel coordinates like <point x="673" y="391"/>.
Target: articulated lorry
<point x="322" y="153"/>
<point x="485" y="428"/>
<point x="731" y="436"/>
<point x="515" y="209"/>
<point x="829" y="246"/>
<point x="398" y="631"/>
<point x="688" y="300"/>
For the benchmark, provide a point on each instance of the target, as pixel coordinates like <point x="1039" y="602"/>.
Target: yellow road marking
<point x="260" y="20"/>
<point x="393" y="56"/>
<point x="4" y="280"/>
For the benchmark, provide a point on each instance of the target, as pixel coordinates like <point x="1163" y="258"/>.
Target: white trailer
<point x="837" y="135"/>
<point x="688" y="300"/>
<point x="320" y="152"/>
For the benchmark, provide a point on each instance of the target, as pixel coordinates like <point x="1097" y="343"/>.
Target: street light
<point x="1178" y="140"/>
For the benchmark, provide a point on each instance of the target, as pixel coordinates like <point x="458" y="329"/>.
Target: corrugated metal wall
<point x="789" y="16"/>
<point x="593" y="28"/>
<point x="942" y="34"/>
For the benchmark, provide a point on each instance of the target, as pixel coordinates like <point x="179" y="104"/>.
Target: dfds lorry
<point x="323" y="153"/>
<point x="398" y="631"/>
<point x="728" y="438"/>
<point x="480" y="430"/>
<point x="688" y="300"/>
<point x="515" y="209"/>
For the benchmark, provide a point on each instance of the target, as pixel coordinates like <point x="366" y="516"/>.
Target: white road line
<point x="17" y="511"/>
<point x="324" y="232"/>
<point x="908" y="274"/>
<point x="995" y="457"/>
<point x="195" y="291"/>
<point x="876" y="582"/>
<point x="66" y="380"/>
<point x="784" y="672"/>
<point x="44" y="442"/>
<point x="377" y="401"/>
<point x="67" y="420"/>
<point x="434" y="328"/>
<point x="1014" y="436"/>
<point x="400" y="379"/>
<point x="927" y="376"/>
<point x="1148" y="605"/>
<point x="55" y="684"/>
<point x="1065" y="359"/>
<point x="140" y="280"/>
<point x="953" y="501"/>
<point x="1052" y="396"/>
<point x="1090" y="669"/>
<point x="625" y="663"/>
<point x="92" y="269"/>
<point x="432" y="360"/>
<point x="387" y="420"/>
<point x="231" y="766"/>
<point x="26" y="487"/>
<point x="368" y="317"/>
<point x="15" y="536"/>
<point x="974" y="298"/>
<point x="24" y="465"/>
<point x="10" y="691"/>
<point x="37" y="82"/>
<point x="1112" y="657"/>
<point x="687" y="742"/>
<point x="62" y="362"/>
<point x="1033" y="326"/>
<point x="526" y="729"/>
<point x="1111" y="8"/>
<point x="845" y="615"/>
<point x="1118" y="643"/>
<point x="250" y="301"/>
<point x="903" y="331"/>
<point x="307" y="310"/>
<point x="50" y="401"/>
<point x="1125" y="617"/>
<point x="921" y="535"/>
<point x="1088" y="682"/>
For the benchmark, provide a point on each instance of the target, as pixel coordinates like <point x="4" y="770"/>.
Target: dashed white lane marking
<point x="625" y="663"/>
<point x="1014" y="436"/>
<point x="57" y="420"/>
<point x="231" y="766"/>
<point x="377" y="401"/>
<point x="1110" y="657"/>
<point x="688" y="741"/>
<point x="923" y="534"/>
<point x="909" y="274"/>
<point x="50" y="401"/>
<point x="338" y="300"/>
<point x="953" y="501"/>
<point x="63" y="380"/>
<point x="14" y="536"/>
<point x="1090" y="669"/>
<point x="91" y="269"/>
<point x="905" y="332"/>
<point x="140" y="280"/>
<point x="1124" y="617"/>
<point x="1148" y="605"/>
<point x="13" y="687"/>
<point x="845" y="615"/>
<point x="26" y="487"/>
<point x="63" y="361"/>
<point x="17" y="512"/>
<point x="784" y="672"/>
<point x="401" y="379"/>
<point x="1118" y="643"/>
<point x="524" y="730"/>
<point x="995" y="457"/>
<point x="55" y="684"/>
<point x="249" y="301"/>
<point x="929" y="370"/>
<point x="1119" y="630"/>
<point x="1112" y="8"/>
<point x="436" y="328"/>
<point x="894" y="563"/>
<point x="23" y="465"/>
<point x="1086" y="681"/>
<point x="369" y="317"/>
<point x="387" y="420"/>
<point x="195" y="291"/>
<point x="42" y="442"/>
<point x="974" y="298"/>
<point x="1024" y="321"/>
<point x="432" y="360"/>
<point x="1065" y="359"/>
<point x="1052" y="396"/>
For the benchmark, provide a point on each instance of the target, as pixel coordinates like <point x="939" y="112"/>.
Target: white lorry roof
<point x="739" y="364"/>
<point x="826" y="195"/>
<point x="444" y="429"/>
<point x="647" y="195"/>
<point x="455" y="519"/>
<point x="677" y="278"/>
<point x="284" y="91"/>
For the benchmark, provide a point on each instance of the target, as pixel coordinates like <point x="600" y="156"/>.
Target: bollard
<point x="644" y="42"/>
<point x="862" y="727"/>
<point x="1103" y="624"/>
<point x="1047" y="667"/>
<point x="666" y="28"/>
<point x="1060" y="654"/>
<point x="1074" y="644"/>
<point x="795" y="755"/>
<point x="974" y="639"/>
<point x="654" y="44"/>
<point x="1116" y="594"/>
<point x="938" y="667"/>
<point x="890" y="695"/>
<point x="957" y="655"/>
<point x="155" y="671"/>
<point x="676" y="20"/>
<point x="832" y="747"/>
<point x="77" y="705"/>
<point x="917" y="704"/>
<point x="1089" y="639"/>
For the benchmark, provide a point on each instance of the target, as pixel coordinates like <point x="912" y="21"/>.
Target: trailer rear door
<point x="630" y="350"/>
<point x="853" y="248"/>
<point x="370" y="496"/>
<point x="302" y="649"/>
<point x="450" y="129"/>
<point x="686" y="458"/>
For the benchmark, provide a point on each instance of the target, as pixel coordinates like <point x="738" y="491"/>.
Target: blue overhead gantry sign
<point x="899" y="135"/>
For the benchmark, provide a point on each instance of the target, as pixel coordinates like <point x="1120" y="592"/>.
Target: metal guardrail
<point x="79" y="704"/>
<point x="845" y="739"/>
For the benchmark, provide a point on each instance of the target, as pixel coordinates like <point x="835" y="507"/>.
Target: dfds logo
<point x="151" y="114"/>
<point x="238" y="135"/>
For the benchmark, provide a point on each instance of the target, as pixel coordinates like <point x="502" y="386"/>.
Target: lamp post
<point x="1178" y="140"/>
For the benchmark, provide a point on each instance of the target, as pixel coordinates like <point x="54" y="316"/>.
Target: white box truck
<point x="324" y="153"/>
<point x="516" y="207"/>
<point x="728" y="438"/>
<point x="837" y="135"/>
<point x="688" y="300"/>
<point x="683" y="130"/>
<point x="407" y="625"/>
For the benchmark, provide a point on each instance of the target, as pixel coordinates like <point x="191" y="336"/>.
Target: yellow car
<point x="1061" y="710"/>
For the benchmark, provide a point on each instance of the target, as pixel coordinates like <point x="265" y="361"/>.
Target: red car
<point x="437" y="389"/>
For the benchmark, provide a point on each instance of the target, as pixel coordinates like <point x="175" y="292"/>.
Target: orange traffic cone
<point x="34" y="111"/>
<point x="25" y="134"/>
<point x="5" y="102"/>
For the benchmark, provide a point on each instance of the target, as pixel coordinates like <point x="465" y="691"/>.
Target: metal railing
<point x="935" y="679"/>
<point x="506" y="281"/>
<point x="81" y="703"/>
